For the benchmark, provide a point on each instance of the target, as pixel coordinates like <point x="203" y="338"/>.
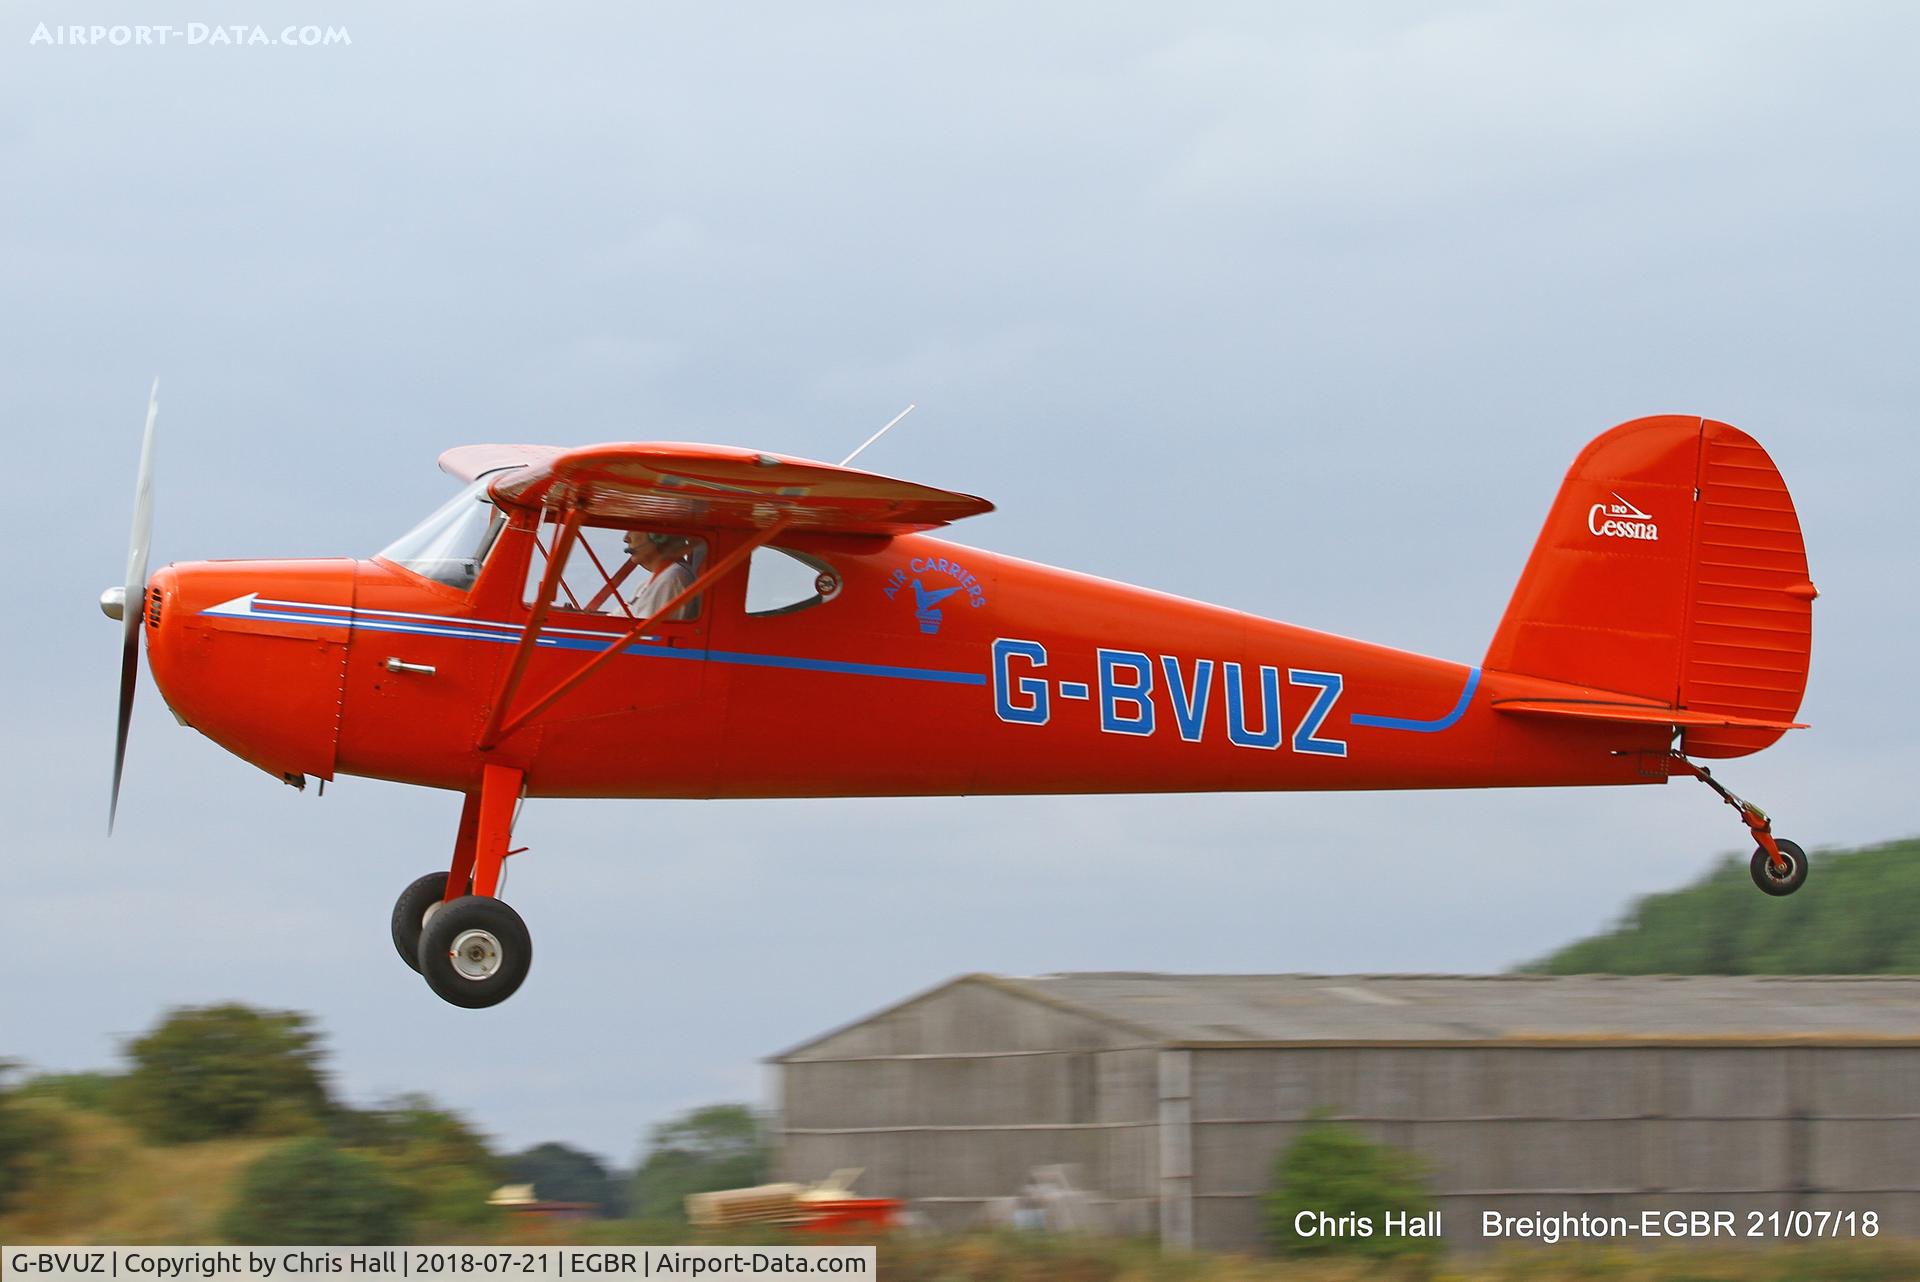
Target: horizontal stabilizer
<point x="1638" y="714"/>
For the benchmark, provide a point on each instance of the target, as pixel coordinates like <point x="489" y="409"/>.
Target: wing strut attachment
<point x="499" y="725"/>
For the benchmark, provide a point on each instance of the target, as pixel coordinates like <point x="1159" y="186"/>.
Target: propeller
<point x="127" y="602"/>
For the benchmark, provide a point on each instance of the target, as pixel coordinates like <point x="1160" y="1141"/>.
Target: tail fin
<point x="1671" y="569"/>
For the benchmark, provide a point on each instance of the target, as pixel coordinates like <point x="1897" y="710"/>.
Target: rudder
<point x="1670" y="568"/>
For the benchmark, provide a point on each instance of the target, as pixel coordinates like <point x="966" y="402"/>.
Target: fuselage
<point x="929" y="669"/>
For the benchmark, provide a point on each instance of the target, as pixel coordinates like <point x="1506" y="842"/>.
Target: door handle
<point x="396" y="665"/>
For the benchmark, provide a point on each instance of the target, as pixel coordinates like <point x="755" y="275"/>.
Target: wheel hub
<point x="476" y="955"/>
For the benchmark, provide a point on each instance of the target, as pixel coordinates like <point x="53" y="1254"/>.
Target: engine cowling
<point x="253" y="654"/>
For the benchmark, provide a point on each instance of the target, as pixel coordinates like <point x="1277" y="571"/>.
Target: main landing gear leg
<point x="472" y="949"/>
<point x="1778" y="866"/>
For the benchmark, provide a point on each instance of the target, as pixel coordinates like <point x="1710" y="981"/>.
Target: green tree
<point x="722" y="1146"/>
<point x="90" y="1092"/>
<point x="562" y="1173"/>
<point x="1335" y="1170"/>
<point x="211" y="1071"/>
<point x="443" y="1167"/>
<point x="29" y="1139"/>
<point x="1851" y="918"/>
<point x="308" y="1191"/>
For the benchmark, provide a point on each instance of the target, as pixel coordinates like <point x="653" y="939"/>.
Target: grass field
<point x="107" y="1186"/>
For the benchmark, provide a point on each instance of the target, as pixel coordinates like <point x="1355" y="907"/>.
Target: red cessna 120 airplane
<point x="651" y="619"/>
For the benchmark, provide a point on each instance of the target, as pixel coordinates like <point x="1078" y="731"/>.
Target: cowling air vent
<point x="153" y="607"/>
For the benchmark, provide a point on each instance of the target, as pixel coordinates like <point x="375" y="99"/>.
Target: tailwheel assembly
<point x="1778" y="866"/>
<point x="1781" y="877"/>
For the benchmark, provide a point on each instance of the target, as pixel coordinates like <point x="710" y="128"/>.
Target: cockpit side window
<point x="624" y="573"/>
<point x="452" y="544"/>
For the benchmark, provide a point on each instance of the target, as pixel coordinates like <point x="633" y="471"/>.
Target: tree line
<point x="1854" y="917"/>
<point x="345" y="1173"/>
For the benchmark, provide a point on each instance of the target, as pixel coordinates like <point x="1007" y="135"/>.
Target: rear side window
<point x="784" y="582"/>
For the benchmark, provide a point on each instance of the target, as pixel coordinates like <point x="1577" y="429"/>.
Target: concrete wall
<point x="968" y="1015"/>
<point x="1601" y="1130"/>
<point x="951" y="1099"/>
<point x="951" y="1102"/>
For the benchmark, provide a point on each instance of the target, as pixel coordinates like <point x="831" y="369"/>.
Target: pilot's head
<point x="653" y="549"/>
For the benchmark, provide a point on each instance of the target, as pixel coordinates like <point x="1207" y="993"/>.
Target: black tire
<point x="1775" y="883"/>
<point x="410" y="913"/>
<point x="475" y="951"/>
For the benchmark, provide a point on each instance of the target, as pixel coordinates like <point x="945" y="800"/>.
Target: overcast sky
<point x="1299" y="309"/>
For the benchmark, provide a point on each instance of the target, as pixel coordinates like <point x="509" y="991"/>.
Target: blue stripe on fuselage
<point x="455" y="631"/>
<point x="1423" y="727"/>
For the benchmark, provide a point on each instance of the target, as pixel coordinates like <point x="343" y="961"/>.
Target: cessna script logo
<point x="1621" y="520"/>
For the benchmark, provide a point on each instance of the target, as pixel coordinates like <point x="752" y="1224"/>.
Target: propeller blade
<point x="134" y="608"/>
<point x="129" y="676"/>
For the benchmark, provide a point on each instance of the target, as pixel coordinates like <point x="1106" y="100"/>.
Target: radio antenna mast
<point x="877" y="435"/>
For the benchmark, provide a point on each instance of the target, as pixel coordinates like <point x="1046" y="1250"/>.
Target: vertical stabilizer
<point x="1670" y="568"/>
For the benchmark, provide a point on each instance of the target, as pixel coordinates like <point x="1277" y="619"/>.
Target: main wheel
<point x="475" y="951"/>
<point x="1778" y="881"/>
<point x="416" y="904"/>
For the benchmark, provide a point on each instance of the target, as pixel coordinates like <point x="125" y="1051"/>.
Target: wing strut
<point x="499" y="725"/>
<point x="491" y="734"/>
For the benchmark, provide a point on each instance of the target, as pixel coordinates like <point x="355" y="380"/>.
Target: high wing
<point x="666" y="483"/>
<point x="716" y="486"/>
<point x="471" y="462"/>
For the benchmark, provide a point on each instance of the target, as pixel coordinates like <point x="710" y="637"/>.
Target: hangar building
<point x="1169" y="1096"/>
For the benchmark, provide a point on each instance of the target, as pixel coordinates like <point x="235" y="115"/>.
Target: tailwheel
<point x="475" y="951"/>
<point x="416" y="905"/>
<point x="1782" y="876"/>
<point x="1778" y="866"/>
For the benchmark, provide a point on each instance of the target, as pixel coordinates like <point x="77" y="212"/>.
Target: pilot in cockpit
<point x="665" y="559"/>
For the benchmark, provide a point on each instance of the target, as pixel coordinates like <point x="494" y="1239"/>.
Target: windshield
<point x="450" y="546"/>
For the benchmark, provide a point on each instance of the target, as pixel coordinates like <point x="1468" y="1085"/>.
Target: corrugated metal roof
<point x="1225" y="1010"/>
